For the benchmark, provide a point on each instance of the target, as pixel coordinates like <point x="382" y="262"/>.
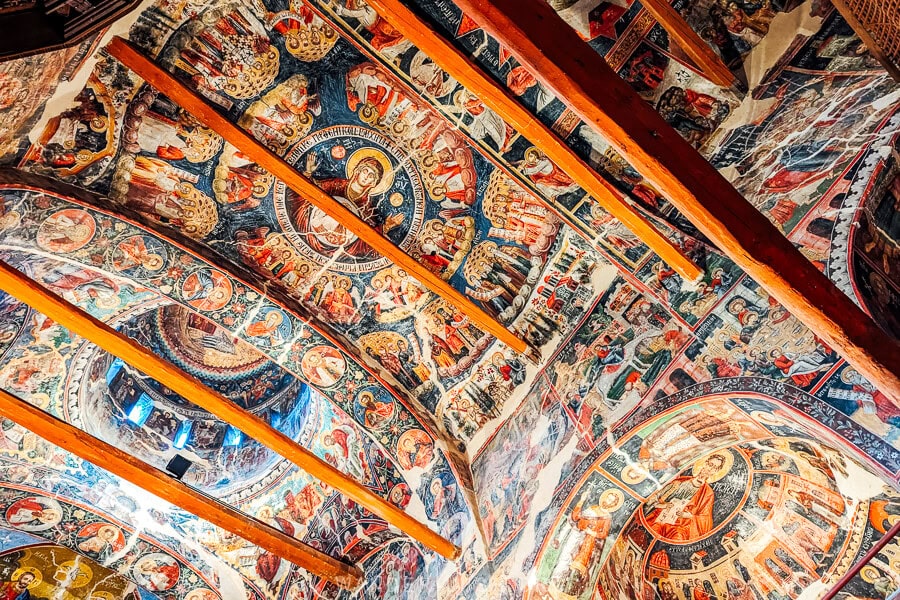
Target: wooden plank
<point x="871" y="43"/>
<point x="166" y="487"/>
<point x="257" y="283"/>
<point x="543" y="43"/>
<point x="500" y="100"/>
<point x="692" y="44"/>
<point x="77" y="321"/>
<point x="190" y="101"/>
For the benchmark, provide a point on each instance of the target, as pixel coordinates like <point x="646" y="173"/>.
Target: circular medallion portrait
<point x="693" y="504"/>
<point x="139" y="256"/>
<point x="368" y="175"/>
<point x="66" y="231"/>
<point x="323" y="366"/>
<point x="157" y="572"/>
<point x="35" y="513"/>
<point x="207" y="290"/>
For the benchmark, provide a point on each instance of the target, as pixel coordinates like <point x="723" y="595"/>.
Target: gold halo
<point x="38" y="576"/>
<point x="846" y="373"/>
<point x="729" y="461"/>
<point x="154" y="262"/>
<point x="533" y="154"/>
<point x="620" y="499"/>
<point x="869" y="574"/>
<point x="387" y="180"/>
<point x="633" y="474"/>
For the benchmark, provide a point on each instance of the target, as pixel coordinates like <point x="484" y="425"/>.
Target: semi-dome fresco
<point x="653" y="438"/>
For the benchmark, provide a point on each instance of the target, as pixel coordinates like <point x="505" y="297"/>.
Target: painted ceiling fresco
<point x="47" y="571"/>
<point x="664" y="440"/>
<point x="25" y="86"/>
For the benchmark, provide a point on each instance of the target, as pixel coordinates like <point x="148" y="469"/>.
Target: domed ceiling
<point x="663" y="440"/>
<point x="117" y="402"/>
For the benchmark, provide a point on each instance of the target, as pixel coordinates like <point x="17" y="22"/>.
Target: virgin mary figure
<point x="369" y="175"/>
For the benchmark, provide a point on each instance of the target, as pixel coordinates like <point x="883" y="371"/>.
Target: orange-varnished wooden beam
<point x="501" y="101"/>
<point x="170" y="236"/>
<point x="102" y="335"/>
<point x="166" y="487"/>
<point x="552" y="50"/>
<point x="195" y="104"/>
<point x="692" y="44"/>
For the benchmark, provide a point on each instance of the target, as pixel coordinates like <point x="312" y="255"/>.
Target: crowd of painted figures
<point x="664" y="441"/>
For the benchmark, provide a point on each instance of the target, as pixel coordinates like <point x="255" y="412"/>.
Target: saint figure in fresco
<point x="369" y="175"/>
<point x="376" y="412"/>
<point x="158" y="575"/>
<point x="590" y="528"/>
<point x="385" y="38"/>
<point x="683" y="510"/>
<point x="269" y="328"/>
<point x="17" y="589"/>
<point x="31" y="514"/>
<point x="547" y="177"/>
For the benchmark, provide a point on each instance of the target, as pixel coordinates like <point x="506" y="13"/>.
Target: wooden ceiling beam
<point x="176" y="238"/>
<point x="196" y="105"/>
<point x="553" y="52"/>
<point x="500" y="100"/>
<point x="166" y="487"/>
<point x="706" y="59"/>
<point x="102" y="335"/>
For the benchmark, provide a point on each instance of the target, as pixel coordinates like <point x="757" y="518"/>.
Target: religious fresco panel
<point x="797" y="152"/>
<point x="363" y="135"/>
<point x="690" y="103"/>
<point x="43" y="571"/>
<point x="607" y="366"/>
<point x="126" y="558"/>
<point x="223" y="301"/>
<point x="25" y="86"/>
<point x="668" y="440"/>
<point x="121" y="406"/>
<point x="506" y="470"/>
<point x="286" y="498"/>
<point x="744" y="501"/>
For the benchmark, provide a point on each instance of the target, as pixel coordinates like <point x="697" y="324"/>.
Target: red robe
<point x="519" y="80"/>
<point x="684" y="529"/>
<point x="267" y="564"/>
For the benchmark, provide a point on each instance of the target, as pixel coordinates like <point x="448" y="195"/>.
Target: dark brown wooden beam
<point x="501" y="101"/>
<point x="552" y="50"/>
<point x="853" y="571"/>
<point x="102" y="335"/>
<point x="166" y="487"/>
<point x="692" y="44"/>
<point x="193" y="103"/>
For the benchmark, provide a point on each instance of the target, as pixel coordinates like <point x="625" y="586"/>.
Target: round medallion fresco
<point x="370" y="176"/>
<point x="66" y="231"/>
<point x="732" y="498"/>
<point x="688" y="508"/>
